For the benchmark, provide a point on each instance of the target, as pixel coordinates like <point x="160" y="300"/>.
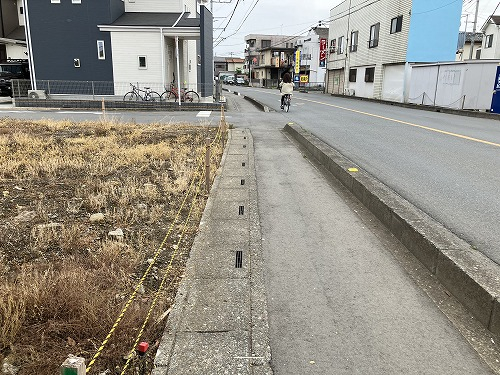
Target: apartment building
<point x="150" y="42"/>
<point x="269" y="57"/>
<point x="12" y="33"/>
<point x="373" y="44"/>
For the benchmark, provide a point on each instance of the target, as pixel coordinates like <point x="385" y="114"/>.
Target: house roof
<point x="234" y="60"/>
<point x="496" y="20"/>
<point x="491" y="19"/>
<point x="156" y="20"/>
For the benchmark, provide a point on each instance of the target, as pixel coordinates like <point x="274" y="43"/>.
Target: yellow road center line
<point x="404" y="122"/>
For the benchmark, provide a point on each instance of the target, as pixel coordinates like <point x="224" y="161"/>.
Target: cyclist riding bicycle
<point x="286" y="87"/>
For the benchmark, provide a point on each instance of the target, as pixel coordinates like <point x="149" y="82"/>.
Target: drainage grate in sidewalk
<point x="239" y="259"/>
<point x="242" y="210"/>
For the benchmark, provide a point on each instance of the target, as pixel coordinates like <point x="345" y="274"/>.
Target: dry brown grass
<point x="63" y="280"/>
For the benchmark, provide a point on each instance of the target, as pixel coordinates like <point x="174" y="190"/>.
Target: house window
<point x="352" y="75"/>
<point x="55" y="1"/>
<point x="396" y="24"/>
<point x="340" y="50"/>
<point x="369" y="74"/>
<point x="251" y="43"/>
<point x="354" y="42"/>
<point x="76" y="1"/>
<point x="374" y="30"/>
<point x="478" y="54"/>
<point x="266" y="43"/>
<point x="21" y="10"/>
<point x="101" y="55"/>
<point x="489" y="41"/>
<point x="333" y="44"/>
<point x="142" y="62"/>
<point x="76" y="63"/>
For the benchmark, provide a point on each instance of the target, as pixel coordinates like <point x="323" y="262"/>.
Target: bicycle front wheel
<point x="168" y="96"/>
<point x="287" y="105"/>
<point x="130" y="97"/>
<point x="191" y="97"/>
<point x="154" y="96"/>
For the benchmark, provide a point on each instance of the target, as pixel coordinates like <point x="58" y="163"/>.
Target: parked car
<point x="240" y="81"/>
<point x="5" y="83"/>
<point x="12" y="69"/>
<point x="229" y="80"/>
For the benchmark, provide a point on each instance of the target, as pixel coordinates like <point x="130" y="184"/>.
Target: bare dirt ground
<point x="86" y="209"/>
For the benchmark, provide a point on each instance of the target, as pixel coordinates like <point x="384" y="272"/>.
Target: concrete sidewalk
<point x="303" y="271"/>
<point x="219" y="321"/>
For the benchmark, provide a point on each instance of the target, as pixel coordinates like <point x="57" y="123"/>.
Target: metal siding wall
<point x="62" y="32"/>
<point x="206" y="51"/>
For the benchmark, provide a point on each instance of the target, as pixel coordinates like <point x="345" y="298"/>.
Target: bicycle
<point x="135" y="95"/>
<point x="287" y="98"/>
<point x="171" y="95"/>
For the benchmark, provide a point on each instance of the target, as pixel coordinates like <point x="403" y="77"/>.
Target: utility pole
<point x="473" y="32"/>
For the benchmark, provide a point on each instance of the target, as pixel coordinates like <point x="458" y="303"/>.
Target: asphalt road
<point x="339" y="300"/>
<point x="447" y="165"/>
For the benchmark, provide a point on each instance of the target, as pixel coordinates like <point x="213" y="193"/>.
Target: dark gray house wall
<point x="63" y="32"/>
<point x="207" y="52"/>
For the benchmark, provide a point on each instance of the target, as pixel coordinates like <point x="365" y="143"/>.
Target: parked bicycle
<point x="172" y="95"/>
<point x="146" y="95"/>
<point x="287" y="98"/>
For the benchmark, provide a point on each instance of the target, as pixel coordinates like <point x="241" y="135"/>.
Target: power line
<point x="239" y="27"/>
<point x="230" y="18"/>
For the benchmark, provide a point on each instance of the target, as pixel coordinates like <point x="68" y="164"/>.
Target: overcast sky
<point x="292" y="17"/>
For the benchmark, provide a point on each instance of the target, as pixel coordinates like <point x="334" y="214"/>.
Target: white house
<point x="161" y="37"/>
<point x="490" y="48"/>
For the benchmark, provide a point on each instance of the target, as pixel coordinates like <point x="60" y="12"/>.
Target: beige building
<point x="268" y="57"/>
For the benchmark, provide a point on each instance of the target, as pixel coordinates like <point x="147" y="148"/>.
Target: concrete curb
<point x="255" y="102"/>
<point x="469" y="275"/>
<point x="218" y="324"/>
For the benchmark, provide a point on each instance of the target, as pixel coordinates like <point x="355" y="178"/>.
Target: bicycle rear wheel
<point x="154" y="96"/>
<point x="191" y="97"/>
<point x="130" y="97"/>
<point x="168" y="96"/>
<point x="287" y="103"/>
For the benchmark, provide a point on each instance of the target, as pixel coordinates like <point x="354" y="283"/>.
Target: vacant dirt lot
<point x="88" y="213"/>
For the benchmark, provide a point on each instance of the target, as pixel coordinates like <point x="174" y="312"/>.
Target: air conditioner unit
<point x="37" y="94"/>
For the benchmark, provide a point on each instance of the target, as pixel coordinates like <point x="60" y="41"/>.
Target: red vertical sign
<point x="322" y="52"/>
